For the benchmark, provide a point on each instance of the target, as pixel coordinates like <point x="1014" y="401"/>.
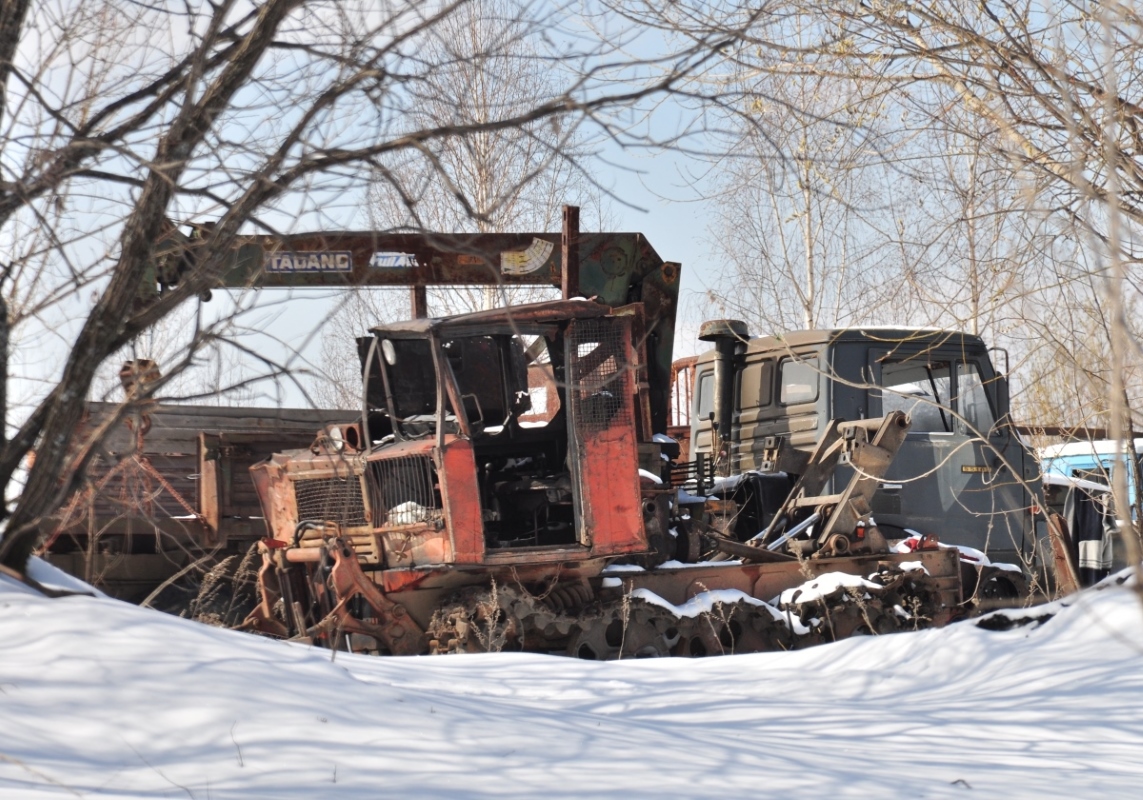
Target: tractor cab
<point x="495" y="437"/>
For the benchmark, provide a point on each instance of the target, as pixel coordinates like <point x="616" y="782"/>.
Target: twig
<point x="237" y="746"/>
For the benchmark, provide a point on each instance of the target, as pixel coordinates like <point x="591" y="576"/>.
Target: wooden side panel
<point x="189" y="460"/>
<point x="209" y="499"/>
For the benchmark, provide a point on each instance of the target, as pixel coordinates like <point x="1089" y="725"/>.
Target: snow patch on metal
<point x="704" y="602"/>
<point x="823" y="585"/>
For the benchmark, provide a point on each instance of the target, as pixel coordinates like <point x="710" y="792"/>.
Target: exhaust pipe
<point x="726" y="334"/>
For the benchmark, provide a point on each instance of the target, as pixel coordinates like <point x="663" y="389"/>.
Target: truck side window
<point x="799" y="381"/>
<point x="704" y="401"/>
<point x="754" y="388"/>
<point x="921" y="391"/>
<point x="972" y="398"/>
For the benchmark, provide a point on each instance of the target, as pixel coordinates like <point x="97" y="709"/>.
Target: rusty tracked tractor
<point x="492" y="497"/>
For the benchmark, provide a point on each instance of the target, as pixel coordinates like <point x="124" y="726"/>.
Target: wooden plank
<point x="172" y="447"/>
<point x="233" y="417"/>
<point x="175" y="429"/>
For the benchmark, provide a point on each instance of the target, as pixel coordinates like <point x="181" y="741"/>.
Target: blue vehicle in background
<point x="1090" y="461"/>
<point x="1091" y="466"/>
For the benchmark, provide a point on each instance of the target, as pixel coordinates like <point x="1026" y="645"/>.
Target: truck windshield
<point x="498" y="378"/>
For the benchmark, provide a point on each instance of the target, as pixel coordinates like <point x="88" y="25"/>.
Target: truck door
<point x="702" y="405"/>
<point x="603" y="450"/>
<point x="948" y="477"/>
<point x="995" y="497"/>
<point x="913" y="494"/>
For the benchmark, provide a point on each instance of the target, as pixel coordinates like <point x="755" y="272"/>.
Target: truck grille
<point x="403" y="491"/>
<point x="331" y="500"/>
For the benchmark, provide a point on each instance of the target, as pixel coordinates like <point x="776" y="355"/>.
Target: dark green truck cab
<point x="963" y="473"/>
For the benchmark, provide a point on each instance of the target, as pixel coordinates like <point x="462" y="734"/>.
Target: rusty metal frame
<point x="400" y="633"/>
<point x="869" y="447"/>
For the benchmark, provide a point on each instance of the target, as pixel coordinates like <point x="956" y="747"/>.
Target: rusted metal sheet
<point x="1063" y="561"/>
<point x="766" y="581"/>
<point x="415" y="546"/>
<point x="495" y="320"/>
<point x="604" y="451"/>
<point x="277" y="497"/>
<point x="262" y="617"/>
<point x="460" y="494"/>
<point x="396" y="581"/>
<point x="569" y="252"/>
<point x="394" y="626"/>
<point x="365" y="258"/>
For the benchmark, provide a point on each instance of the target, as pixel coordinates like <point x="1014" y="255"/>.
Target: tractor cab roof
<point x="484" y="322"/>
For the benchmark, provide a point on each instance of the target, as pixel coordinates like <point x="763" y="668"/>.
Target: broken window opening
<point x="510" y="386"/>
<point x="411" y="386"/>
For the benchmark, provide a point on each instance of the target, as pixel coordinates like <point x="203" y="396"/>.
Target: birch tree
<point x="805" y="204"/>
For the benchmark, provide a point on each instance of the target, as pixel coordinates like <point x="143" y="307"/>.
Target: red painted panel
<point x="460" y="496"/>
<point x="604" y="367"/>
<point x="398" y="580"/>
<point x="611" y="491"/>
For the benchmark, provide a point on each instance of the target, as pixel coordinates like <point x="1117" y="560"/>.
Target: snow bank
<point x="104" y="700"/>
<point x="55" y="578"/>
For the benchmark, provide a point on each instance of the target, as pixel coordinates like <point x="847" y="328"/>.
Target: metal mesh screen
<point x="331" y="500"/>
<point x="402" y="491"/>
<point x="599" y="374"/>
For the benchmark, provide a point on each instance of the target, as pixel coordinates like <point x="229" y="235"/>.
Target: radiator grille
<point x="600" y="376"/>
<point x="331" y="500"/>
<point x="403" y="491"/>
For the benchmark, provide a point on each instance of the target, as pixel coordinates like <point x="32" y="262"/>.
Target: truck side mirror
<point x="1002" y="399"/>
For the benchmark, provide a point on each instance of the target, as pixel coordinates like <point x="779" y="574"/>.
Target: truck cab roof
<point x="549" y="312"/>
<point x="889" y="335"/>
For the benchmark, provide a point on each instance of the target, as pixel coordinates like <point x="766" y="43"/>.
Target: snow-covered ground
<point x="101" y="699"/>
